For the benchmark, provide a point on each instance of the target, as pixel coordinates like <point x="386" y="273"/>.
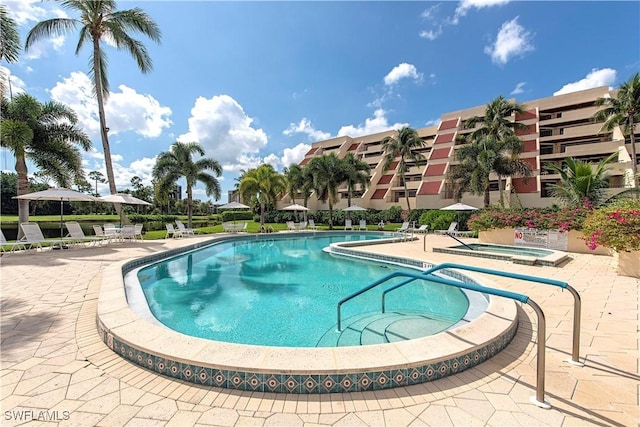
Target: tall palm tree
<point x="9" y="43"/>
<point x="100" y="20"/>
<point x="263" y="183"/>
<point x="580" y="182"/>
<point x="357" y="174"/>
<point x="295" y="179"/>
<point x="403" y="145"/>
<point x="624" y="111"/>
<point x="178" y="163"/>
<point x="328" y="172"/>
<point x="46" y="135"/>
<point x="494" y="147"/>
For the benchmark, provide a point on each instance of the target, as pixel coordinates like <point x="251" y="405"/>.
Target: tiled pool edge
<point x="411" y="362"/>
<point x="551" y="261"/>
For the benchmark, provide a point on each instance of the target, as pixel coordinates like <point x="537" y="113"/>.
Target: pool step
<point x="380" y="328"/>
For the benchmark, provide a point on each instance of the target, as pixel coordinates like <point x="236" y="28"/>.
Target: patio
<point x="56" y="369"/>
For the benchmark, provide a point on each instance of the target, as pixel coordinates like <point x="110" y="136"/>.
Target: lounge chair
<point x="302" y="225"/>
<point x="172" y="232"/>
<point x="4" y="245"/>
<point x="98" y="231"/>
<point x="76" y="235"/>
<point x="422" y="229"/>
<point x="291" y="225"/>
<point x="138" y="231"/>
<point x="452" y="228"/>
<point x="184" y="230"/>
<point x="34" y="238"/>
<point x="128" y="232"/>
<point x="312" y="225"/>
<point x="453" y="231"/>
<point x="111" y="232"/>
<point x="404" y="227"/>
<point x="347" y="224"/>
<point x="363" y="224"/>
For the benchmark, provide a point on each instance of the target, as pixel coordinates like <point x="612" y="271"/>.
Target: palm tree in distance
<point x="403" y="145"/>
<point x="328" y="172"/>
<point x="263" y="183"/>
<point x="45" y="135"/>
<point x="493" y="147"/>
<point x="99" y="20"/>
<point x="178" y="163"/>
<point x="295" y="180"/>
<point x="624" y="111"/>
<point x="357" y="174"/>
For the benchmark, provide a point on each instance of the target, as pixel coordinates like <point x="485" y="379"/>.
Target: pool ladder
<point x="538" y="399"/>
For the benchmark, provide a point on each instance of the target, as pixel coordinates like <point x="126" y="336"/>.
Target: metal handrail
<point x="538" y="399"/>
<point x="575" y="353"/>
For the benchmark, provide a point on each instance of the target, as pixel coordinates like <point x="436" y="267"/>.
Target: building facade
<point x="557" y="127"/>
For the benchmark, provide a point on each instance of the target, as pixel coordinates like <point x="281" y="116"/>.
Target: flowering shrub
<point x="616" y="226"/>
<point x="564" y="219"/>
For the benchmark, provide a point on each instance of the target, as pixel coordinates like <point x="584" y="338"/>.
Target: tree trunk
<point x="189" y="205"/>
<point x="330" y="215"/>
<point x="634" y="161"/>
<point x="22" y="188"/>
<point x="500" y="191"/>
<point x="406" y="193"/>
<point x="261" y="213"/>
<point x="487" y="196"/>
<point x="103" y="128"/>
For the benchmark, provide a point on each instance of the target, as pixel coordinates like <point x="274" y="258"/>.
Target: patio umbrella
<point x="61" y="194"/>
<point x="296" y="207"/>
<point x="459" y="207"/>
<point x="123" y="198"/>
<point x="354" y="208"/>
<point x="233" y="205"/>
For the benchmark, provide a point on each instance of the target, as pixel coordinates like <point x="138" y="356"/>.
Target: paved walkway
<point x="56" y="371"/>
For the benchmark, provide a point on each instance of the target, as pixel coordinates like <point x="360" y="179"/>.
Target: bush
<point x="564" y="219"/>
<point x="237" y="215"/>
<point x="616" y="226"/>
<point x="437" y="219"/>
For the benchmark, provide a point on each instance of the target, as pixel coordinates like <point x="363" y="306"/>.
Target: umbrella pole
<point x="61" y="218"/>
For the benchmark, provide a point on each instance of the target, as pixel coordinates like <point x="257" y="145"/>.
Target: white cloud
<point x="26" y="11"/>
<point x="466" y="5"/>
<point x="17" y="85"/>
<point x="224" y="130"/>
<point x="305" y="126"/>
<point x="295" y="154"/>
<point x="602" y="77"/>
<point x="431" y="34"/>
<point x="518" y="89"/>
<point x="400" y="72"/>
<point x="512" y="40"/>
<point x="432" y="122"/>
<point x="126" y="111"/>
<point x="123" y="173"/>
<point x="378" y="123"/>
<point x="272" y="160"/>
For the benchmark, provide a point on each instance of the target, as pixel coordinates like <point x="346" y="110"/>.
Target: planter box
<point x="575" y="243"/>
<point x="629" y="264"/>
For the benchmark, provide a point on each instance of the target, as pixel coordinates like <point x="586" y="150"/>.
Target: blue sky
<point x="257" y="82"/>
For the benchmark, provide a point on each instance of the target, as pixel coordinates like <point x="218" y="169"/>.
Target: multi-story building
<point x="557" y="127"/>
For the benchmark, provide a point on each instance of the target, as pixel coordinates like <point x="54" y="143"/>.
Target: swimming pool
<point x="298" y="370"/>
<point x="516" y="254"/>
<point x="284" y="292"/>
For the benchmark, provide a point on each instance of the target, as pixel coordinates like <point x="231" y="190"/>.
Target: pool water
<point x="508" y="250"/>
<point x="284" y="292"/>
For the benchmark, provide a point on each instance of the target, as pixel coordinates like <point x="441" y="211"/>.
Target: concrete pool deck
<point x="54" y="365"/>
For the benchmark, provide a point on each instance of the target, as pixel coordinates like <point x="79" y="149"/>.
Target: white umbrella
<point x="61" y="194"/>
<point x="295" y="207"/>
<point x="459" y="207"/>
<point x="124" y="198"/>
<point x="354" y="208"/>
<point x="234" y="205"/>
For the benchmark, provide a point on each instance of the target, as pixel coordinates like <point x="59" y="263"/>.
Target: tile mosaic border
<point x="133" y="339"/>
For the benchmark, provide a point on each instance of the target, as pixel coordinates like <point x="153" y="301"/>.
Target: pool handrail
<point x="577" y="304"/>
<point x="538" y="399"/>
<point x="459" y="241"/>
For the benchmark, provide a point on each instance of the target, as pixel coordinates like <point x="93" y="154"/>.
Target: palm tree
<point x="99" y="20"/>
<point x="328" y="172"/>
<point x="178" y="163"/>
<point x="357" y="173"/>
<point x="46" y="135"/>
<point x="623" y="110"/>
<point x="263" y="183"/>
<point x="580" y="182"/>
<point x="9" y="42"/>
<point x="493" y="147"/>
<point x="403" y="146"/>
<point x="295" y="180"/>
